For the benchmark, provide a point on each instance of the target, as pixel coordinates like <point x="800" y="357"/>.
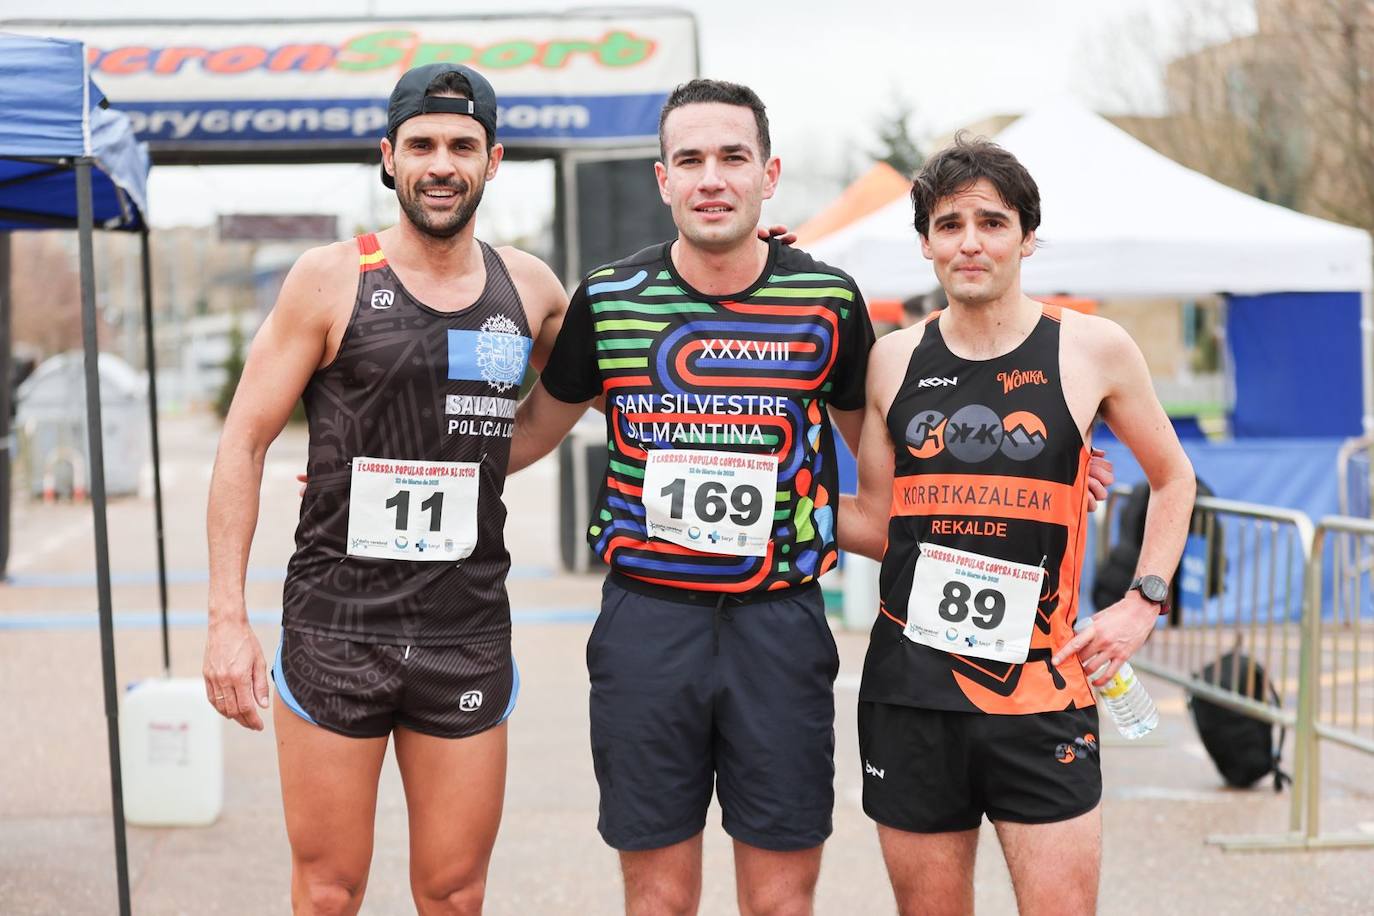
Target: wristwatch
<point x="1153" y="589"/>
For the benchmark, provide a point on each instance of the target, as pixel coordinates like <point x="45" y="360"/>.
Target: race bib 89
<point x="969" y="604"/>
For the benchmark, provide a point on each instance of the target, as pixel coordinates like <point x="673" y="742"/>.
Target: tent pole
<point x="150" y="361"/>
<point x="6" y="407"/>
<point x="1367" y="352"/>
<point x="94" y="436"/>
<point x="566" y="175"/>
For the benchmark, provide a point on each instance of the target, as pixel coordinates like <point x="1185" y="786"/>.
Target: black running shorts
<point x="690" y="694"/>
<point x="364" y="690"/>
<point x="933" y="770"/>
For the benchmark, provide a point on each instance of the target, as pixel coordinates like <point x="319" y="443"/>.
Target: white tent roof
<point x="1120" y="219"/>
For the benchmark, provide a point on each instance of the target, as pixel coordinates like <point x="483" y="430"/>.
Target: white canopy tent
<point x="1119" y="219"/>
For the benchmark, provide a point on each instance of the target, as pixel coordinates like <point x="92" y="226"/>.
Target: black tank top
<point x="410" y="384"/>
<point x="988" y="460"/>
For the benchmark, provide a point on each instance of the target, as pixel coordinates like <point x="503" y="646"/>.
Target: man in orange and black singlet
<point x="973" y="470"/>
<point x="408" y="346"/>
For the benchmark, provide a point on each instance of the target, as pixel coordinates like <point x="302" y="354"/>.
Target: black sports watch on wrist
<point x="1153" y="589"/>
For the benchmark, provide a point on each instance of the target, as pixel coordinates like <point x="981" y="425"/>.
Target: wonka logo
<point x="1016" y="378"/>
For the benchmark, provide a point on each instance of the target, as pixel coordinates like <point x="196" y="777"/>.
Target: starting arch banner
<point x="588" y="79"/>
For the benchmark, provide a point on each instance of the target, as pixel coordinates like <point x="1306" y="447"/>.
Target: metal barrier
<point x="1254" y="558"/>
<point x="1269" y="599"/>
<point x="1354" y="489"/>
<point x="1355" y="478"/>
<point x="1337" y="705"/>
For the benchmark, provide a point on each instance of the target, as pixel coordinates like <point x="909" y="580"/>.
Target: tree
<point x="899" y="149"/>
<point x="1278" y="105"/>
<point x="47" y="294"/>
<point x="233" y="370"/>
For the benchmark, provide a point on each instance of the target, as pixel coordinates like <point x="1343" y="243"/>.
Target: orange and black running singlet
<point x="980" y="577"/>
<point x="400" y="535"/>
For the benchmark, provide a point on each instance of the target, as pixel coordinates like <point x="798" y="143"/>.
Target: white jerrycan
<point x="171" y="748"/>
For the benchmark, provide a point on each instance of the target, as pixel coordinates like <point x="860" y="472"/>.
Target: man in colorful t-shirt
<point x="723" y="360"/>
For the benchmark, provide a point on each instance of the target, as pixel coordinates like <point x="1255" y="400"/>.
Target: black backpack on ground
<point x="1243" y="748"/>
<point x="1114" y="575"/>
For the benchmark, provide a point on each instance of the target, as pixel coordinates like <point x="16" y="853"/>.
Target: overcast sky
<point x="827" y="71"/>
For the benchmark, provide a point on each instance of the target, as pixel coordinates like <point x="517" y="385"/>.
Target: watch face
<point x="1154" y="588"/>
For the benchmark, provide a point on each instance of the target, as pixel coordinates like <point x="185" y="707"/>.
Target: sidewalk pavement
<point x="1162" y="797"/>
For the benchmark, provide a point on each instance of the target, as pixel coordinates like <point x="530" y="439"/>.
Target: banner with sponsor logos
<point x="579" y="80"/>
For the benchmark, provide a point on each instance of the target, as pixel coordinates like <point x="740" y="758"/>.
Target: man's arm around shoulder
<point x="863" y="519"/>
<point x="569" y="383"/>
<point x="540" y="424"/>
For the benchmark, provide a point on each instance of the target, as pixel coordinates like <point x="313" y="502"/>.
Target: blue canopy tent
<point x="67" y="162"/>
<point x="51" y="116"/>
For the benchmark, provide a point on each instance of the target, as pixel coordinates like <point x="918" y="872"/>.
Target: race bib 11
<point x="412" y="510"/>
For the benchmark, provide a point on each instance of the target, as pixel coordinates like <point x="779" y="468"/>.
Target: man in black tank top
<point x="408" y="346"/>
<point x="973" y="493"/>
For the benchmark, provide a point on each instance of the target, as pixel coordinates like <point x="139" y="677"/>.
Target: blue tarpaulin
<point x="50" y="114"/>
<point x="1289" y="473"/>
<point x="1297" y="364"/>
<point x="1285" y="473"/>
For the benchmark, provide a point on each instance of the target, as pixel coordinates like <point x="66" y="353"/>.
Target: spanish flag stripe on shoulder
<point x="370" y="255"/>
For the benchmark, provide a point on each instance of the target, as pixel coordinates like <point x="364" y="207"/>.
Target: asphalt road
<point x="1162" y="800"/>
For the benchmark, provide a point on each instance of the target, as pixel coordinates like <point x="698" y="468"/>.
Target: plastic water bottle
<point x="1129" y="703"/>
<point x="1125" y="698"/>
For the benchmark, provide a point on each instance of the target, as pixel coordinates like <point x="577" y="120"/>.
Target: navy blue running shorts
<point x="364" y="690"/>
<point x="690" y="694"/>
<point x="935" y="770"/>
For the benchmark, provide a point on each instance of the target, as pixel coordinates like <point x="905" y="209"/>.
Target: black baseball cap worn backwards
<point x="408" y="99"/>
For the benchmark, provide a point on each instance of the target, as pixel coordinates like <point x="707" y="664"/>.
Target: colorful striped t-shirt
<point x="719" y="379"/>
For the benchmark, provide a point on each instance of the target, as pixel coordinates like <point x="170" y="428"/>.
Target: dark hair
<point x="959" y="165"/>
<point x="453" y="83"/>
<point x="699" y="91"/>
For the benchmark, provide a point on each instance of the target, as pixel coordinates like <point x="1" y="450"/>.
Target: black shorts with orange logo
<point x="935" y="770"/>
